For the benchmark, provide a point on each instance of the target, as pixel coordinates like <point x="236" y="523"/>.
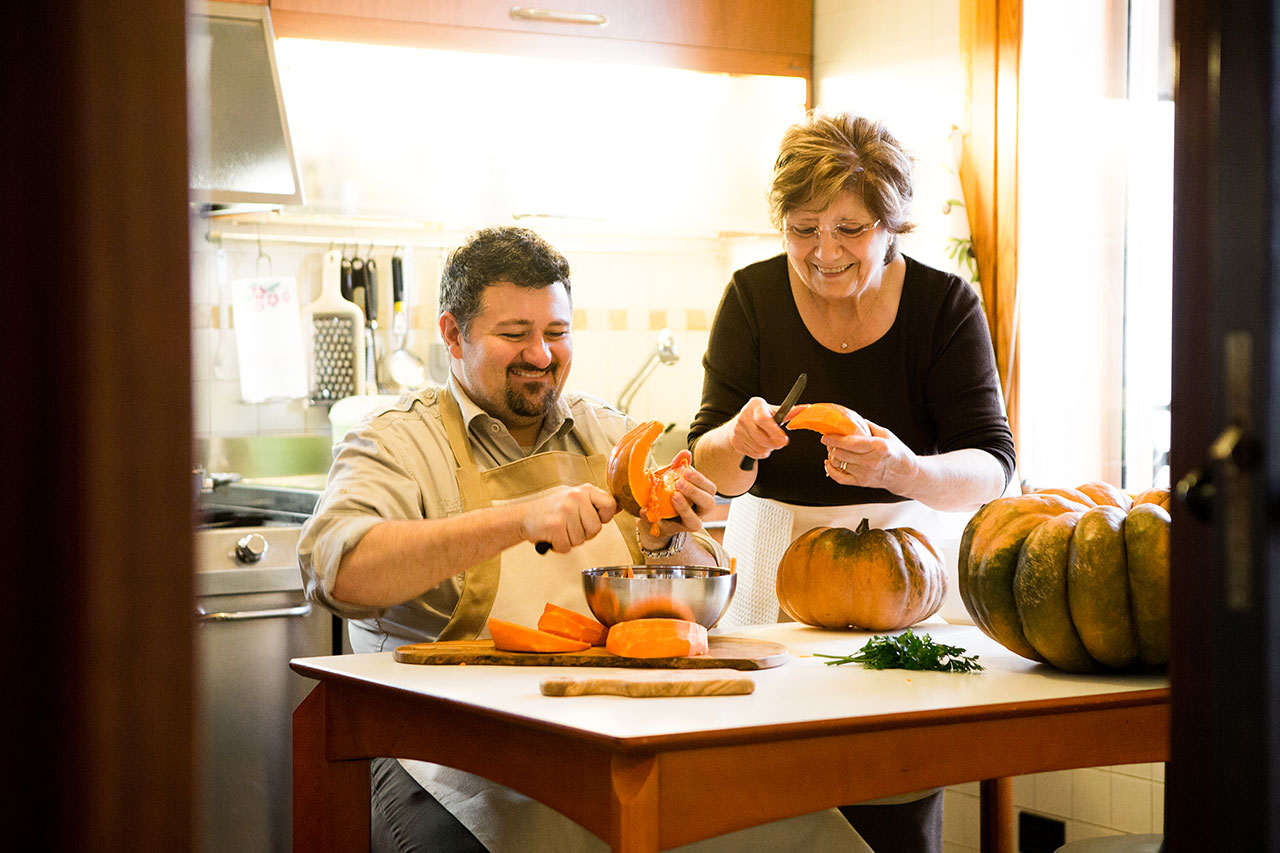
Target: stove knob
<point x="251" y="548"/>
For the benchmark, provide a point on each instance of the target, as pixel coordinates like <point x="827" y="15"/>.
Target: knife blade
<point x="787" y="403"/>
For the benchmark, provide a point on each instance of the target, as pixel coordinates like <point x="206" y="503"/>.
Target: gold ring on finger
<point x="842" y="466"/>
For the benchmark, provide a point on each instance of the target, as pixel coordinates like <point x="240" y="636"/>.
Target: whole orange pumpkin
<point x="869" y="578"/>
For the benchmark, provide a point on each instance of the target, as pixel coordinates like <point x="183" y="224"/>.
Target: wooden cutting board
<point x="651" y="683"/>
<point x="739" y="653"/>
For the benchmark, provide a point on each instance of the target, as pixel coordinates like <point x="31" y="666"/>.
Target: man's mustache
<point x="524" y="365"/>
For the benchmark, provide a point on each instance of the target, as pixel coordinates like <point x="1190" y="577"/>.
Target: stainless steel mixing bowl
<point x="697" y="593"/>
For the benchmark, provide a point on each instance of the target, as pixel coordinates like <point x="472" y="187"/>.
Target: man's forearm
<point x="397" y="561"/>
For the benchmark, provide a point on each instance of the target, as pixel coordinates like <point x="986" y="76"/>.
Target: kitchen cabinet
<point x="772" y="37"/>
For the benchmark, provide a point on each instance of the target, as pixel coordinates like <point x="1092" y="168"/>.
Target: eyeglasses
<point x="843" y="233"/>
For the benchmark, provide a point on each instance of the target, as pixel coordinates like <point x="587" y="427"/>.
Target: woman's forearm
<point x="955" y="481"/>
<point x="714" y="456"/>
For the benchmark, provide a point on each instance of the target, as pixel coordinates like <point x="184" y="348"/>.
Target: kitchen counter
<point x="793" y="746"/>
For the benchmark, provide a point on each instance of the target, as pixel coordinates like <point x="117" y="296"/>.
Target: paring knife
<point x="787" y="403"/>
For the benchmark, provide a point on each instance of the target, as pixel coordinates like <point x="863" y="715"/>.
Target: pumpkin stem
<point x="863" y="527"/>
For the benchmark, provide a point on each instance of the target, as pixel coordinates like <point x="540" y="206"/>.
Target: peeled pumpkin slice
<point x="830" y="418"/>
<point x="510" y="637"/>
<point x="571" y="625"/>
<point x="657" y="638"/>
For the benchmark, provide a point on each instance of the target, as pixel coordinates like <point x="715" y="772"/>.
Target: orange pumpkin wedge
<point x="637" y="474"/>
<point x="617" y="472"/>
<point x="571" y="625"/>
<point x="638" y="490"/>
<point x="657" y="638"/>
<point x="829" y="418"/>
<point x="510" y="637"/>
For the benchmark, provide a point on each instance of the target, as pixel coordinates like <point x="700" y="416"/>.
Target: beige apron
<point x="516" y="585"/>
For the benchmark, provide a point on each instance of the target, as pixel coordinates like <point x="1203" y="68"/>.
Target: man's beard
<point x="531" y="405"/>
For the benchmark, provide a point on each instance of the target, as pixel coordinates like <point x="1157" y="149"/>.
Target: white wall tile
<point x="1091" y="797"/>
<point x="229" y="415"/>
<point x="1054" y="793"/>
<point x="1130" y="804"/>
<point x="1024" y="792"/>
<point x="961" y="818"/>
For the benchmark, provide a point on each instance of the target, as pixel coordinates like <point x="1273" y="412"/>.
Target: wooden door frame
<point x="97" y="429"/>
<point x="1222" y="785"/>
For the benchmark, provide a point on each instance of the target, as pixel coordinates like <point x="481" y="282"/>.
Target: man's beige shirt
<point x="398" y="465"/>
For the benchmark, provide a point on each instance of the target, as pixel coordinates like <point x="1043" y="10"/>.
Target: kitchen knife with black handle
<point x="787" y="403"/>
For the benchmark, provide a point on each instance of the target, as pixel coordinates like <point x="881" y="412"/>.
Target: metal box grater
<point x="336" y="343"/>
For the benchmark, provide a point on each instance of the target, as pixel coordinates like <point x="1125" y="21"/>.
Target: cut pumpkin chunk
<point x="510" y="637"/>
<point x="657" y="638"/>
<point x="572" y="625"/>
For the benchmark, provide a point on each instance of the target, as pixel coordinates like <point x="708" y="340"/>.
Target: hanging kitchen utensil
<point x="346" y="279"/>
<point x="333" y="325"/>
<point x="372" y="382"/>
<point x="404" y="369"/>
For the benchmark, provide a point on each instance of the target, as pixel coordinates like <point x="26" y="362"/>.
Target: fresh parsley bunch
<point x="907" y="651"/>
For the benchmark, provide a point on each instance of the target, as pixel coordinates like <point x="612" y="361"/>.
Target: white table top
<point x="802" y="690"/>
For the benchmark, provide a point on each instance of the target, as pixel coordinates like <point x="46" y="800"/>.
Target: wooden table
<point x="811" y="736"/>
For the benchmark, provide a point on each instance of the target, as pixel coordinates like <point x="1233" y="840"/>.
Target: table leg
<point x="330" y="798"/>
<point x="996" y="797"/>
<point x="634" y="804"/>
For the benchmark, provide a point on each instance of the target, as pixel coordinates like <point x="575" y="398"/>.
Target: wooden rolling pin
<point x="651" y="683"/>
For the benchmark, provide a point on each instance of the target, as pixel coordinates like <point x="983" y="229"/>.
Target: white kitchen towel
<point x="268" y="324"/>
<point x="756" y="536"/>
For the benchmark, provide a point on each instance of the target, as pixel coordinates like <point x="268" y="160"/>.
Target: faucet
<point x="665" y="353"/>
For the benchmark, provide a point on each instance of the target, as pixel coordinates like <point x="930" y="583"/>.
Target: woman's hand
<point x="753" y="431"/>
<point x="879" y="461"/>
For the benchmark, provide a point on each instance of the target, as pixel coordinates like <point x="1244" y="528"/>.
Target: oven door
<point x="249" y="623"/>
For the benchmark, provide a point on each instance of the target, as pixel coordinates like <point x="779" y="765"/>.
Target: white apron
<point x="515" y="586"/>
<point x="759" y="530"/>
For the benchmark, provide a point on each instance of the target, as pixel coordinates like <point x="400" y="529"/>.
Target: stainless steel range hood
<point x="241" y="153"/>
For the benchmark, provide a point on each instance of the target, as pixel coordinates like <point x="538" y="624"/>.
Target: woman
<point x="904" y="345"/>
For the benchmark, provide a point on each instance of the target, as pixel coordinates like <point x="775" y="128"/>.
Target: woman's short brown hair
<point x="826" y="155"/>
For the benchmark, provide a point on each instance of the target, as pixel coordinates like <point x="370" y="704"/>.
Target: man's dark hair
<point x="493" y="255"/>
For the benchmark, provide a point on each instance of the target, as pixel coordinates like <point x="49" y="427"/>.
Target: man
<point x="432" y="511"/>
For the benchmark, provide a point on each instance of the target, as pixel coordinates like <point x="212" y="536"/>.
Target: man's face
<point x="515" y="358"/>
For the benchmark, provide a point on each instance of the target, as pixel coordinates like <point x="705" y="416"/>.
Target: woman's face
<point x="835" y="252"/>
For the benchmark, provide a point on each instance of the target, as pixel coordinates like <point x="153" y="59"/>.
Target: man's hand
<point x="567" y="516"/>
